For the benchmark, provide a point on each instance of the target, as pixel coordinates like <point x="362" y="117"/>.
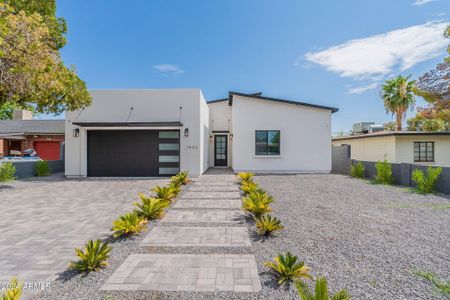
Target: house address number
<point x="192" y="147"/>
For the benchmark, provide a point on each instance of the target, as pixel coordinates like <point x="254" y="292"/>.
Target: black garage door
<point x="134" y="153"/>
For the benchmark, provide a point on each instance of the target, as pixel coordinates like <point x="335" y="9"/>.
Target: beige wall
<point x="405" y="149"/>
<point x="371" y="148"/>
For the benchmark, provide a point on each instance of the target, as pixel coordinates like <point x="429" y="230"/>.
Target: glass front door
<point x="220" y="150"/>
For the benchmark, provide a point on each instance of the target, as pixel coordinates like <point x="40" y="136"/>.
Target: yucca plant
<point x="128" y="224"/>
<point x="250" y="187"/>
<point x="14" y="290"/>
<point x="257" y="203"/>
<point x="150" y="208"/>
<point x="320" y="292"/>
<point x="164" y="192"/>
<point x="268" y="224"/>
<point x="288" y="269"/>
<point x="93" y="258"/>
<point x="245" y="177"/>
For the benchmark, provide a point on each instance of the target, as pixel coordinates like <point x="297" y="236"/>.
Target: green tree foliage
<point x="7" y="109"/>
<point x="32" y="72"/>
<point x="398" y="97"/>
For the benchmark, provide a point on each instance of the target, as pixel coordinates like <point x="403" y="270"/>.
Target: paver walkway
<point x="212" y="202"/>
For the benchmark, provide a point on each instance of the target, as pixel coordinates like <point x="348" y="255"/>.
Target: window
<point x="424" y="151"/>
<point x="267" y="142"/>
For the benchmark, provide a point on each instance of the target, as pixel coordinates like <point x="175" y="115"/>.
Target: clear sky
<point x="320" y="51"/>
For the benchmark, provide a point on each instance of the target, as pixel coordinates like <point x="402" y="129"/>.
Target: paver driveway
<point x="43" y="221"/>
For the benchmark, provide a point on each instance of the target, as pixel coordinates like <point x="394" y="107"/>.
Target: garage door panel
<point x="131" y="153"/>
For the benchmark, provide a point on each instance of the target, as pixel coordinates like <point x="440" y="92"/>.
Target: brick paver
<point x="186" y="272"/>
<point x="43" y="221"/>
<point x="209" y="203"/>
<point x="197" y="236"/>
<point x="204" y="216"/>
<point x="212" y="195"/>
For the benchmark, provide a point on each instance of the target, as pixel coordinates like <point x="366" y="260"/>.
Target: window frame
<point x="267" y="154"/>
<point x="420" y="154"/>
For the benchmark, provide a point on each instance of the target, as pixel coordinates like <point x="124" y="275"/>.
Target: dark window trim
<point x="432" y="151"/>
<point x="267" y="145"/>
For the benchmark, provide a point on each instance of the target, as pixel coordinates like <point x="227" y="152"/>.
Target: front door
<point x="220" y="150"/>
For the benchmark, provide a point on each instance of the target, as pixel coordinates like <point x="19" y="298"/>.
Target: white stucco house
<point x="160" y="132"/>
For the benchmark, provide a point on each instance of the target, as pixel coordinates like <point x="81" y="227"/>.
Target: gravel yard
<point x="363" y="237"/>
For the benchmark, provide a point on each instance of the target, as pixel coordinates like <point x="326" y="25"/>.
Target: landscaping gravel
<point x="363" y="237"/>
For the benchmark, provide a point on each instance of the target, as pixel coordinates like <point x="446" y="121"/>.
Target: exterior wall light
<point x="210" y="138"/>
<point x="186" y="132"/>
<point x="231" y="136"/>
<point x="76" y="132"/>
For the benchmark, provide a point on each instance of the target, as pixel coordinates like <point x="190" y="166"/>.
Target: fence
<point x="25" y="169"/>
<point x="401" y="172"/>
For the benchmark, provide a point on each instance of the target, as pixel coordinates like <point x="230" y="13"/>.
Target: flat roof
<point x="287" y="101"/>
<point x="391" y="133"/>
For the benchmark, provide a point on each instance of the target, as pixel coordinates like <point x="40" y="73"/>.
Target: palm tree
<point x="320" y="292"/>
<point x="398" y="96"/>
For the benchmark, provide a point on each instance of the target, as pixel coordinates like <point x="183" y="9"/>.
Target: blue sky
<point x="326" y="52"/>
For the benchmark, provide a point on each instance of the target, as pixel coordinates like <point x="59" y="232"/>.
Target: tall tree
<point x="31" y="69"/>
<point x="398" y="97"/>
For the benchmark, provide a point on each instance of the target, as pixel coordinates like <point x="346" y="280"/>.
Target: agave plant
<point x="320" y="292"/>
<point x="164" y="192"/>
<point x="14" y="291"/>
<point x="92" y="258"/>
<point x="257" y="203"/>
<point x="249" y="187"/>
<point x="150" y="208"/>
<point x="268" y="224"/>
<point x="288" y="269"/>
<point x="176" y="187"/>
<point x="245" y="177"/>
<point x="128" y="224"/>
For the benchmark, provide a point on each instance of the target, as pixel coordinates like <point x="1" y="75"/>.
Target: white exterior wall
<point x="219" y="120"/>
<point x="305" y="136"/>
<point x="204" y="133"/>
<point x="405" y="149"/>
<point x="148" y="106"/>
<point x="371" y="148"/>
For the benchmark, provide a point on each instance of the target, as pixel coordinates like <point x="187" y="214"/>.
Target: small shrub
<point x="14" y="290"/>
<point x="151" y="208"/>
<point x="130" y="223"/>
<point x="384" y="172"/>
<point x="41" y="168"/>
<point x="93" y="258"/>
<point x="249" y="187"/>
<point x="439" y="285"/>
<point x="257" y="204"/>
<point x="245" y="177"/>
<point x="288" y="269"/>
<point x="7" y="171"/>
<point x="268" y="224"/>
<point x="176" y="187"/>
<point x="426" y="183"/>
<point x="164" y="192"/>
<point x="182" y="177"/>
<point x="357" y="170"/>
<point x="320" y="292"/>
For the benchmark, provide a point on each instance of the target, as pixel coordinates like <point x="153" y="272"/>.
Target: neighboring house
<point x="160" y="132"/>
<point x="429" y="148"/>
<point x="22" y="133"/>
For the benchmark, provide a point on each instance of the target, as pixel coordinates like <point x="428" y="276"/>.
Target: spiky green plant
<point x="93" y="258"/>
<point x="176" y="187"/>
<point x="14" y="290"/>
<point x="245" y="177"/>
<point x="288" y="269"/>
<point x="439" y="285"/>
<point x="257" y="203"/>
<point x="183" y="177"/>
<point x="266" y="225"/>
<point x="248" y="187"/>
<point x="426" y="183"/>
<point x="130" y="223"/>
<point x="320" y="292"/>
<point x="164" y="192"/>
<point x="150" y="208"/>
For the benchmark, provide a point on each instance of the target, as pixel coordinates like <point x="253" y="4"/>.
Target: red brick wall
<point x="28" y="143"/>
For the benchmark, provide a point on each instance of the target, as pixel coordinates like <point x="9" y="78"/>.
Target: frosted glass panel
<point x="169" y="158"/>
<point x="168" y="171"/>
<point x="169" y="134"/>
